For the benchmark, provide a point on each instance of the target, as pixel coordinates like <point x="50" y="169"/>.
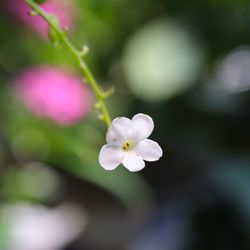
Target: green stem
<point x="88" y="76"/>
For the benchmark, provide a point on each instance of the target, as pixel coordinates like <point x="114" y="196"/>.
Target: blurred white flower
<point x="34" y="227"/>
<point x="231" y="74"/>
<point x="127" y="143"/>
<point x="162" y="60"/>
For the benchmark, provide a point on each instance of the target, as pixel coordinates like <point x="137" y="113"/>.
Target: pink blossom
<point x="63" y="9"/>
<point x="54" y="94"/>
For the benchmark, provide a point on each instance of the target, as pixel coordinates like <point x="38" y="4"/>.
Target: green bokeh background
<point x="160" y="56"/>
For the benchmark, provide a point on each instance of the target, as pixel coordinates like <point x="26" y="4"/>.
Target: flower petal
<point x="110" y="157"/>
<point x="149" y="150"/>
<point x="142" y="126"/>
<point x="133" y="162"/>
<point x="119" y="129"/>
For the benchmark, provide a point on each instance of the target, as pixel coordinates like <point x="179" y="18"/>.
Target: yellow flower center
<point x="127" y="145"/>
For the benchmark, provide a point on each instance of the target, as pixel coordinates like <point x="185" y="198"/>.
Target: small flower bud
<point x="32" y="13"/>
<point x="64" y="10"/>
<point x="54" y="38"/>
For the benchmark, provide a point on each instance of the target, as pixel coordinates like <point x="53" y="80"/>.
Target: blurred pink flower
<point x="53" y="93"/>
<point x="64" y="10"/>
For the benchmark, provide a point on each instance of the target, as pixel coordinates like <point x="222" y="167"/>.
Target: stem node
<point x="61" y="35"/>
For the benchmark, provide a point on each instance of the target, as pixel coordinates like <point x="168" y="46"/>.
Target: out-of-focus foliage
<point x="186" y="64"/>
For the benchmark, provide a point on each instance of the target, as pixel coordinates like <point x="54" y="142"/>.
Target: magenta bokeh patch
<point x="53" y="93"/>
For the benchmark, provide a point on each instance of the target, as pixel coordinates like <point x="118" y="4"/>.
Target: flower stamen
<point x="127" y="145"/>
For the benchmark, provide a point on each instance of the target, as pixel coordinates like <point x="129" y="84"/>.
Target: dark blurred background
<point x="184" y="63"/>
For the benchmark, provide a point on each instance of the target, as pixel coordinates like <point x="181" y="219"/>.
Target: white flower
<point x="127" y="143"/>
<point x="35" y="227"/>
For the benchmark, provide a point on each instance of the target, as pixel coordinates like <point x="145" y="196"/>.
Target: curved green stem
<point x="88" y="76"/>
